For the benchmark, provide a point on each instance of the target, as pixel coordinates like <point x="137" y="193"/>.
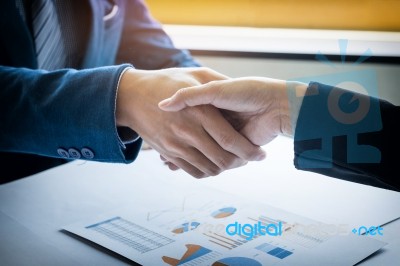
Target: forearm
<point x="42" y="112"/>
<point x="353" y="146"/>
<point x="292" y="100"/>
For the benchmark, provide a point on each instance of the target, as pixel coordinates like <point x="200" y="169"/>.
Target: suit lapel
<point x="94" y="40"/>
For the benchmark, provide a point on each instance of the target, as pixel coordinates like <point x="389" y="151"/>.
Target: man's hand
<point x="198" y="140"/>
<point x="257" y="107"/>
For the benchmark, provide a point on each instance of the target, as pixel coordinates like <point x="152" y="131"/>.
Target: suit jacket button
<point x="63" y="153"/>
<point x="74" y="153"/>
<point x="87" y="153"/>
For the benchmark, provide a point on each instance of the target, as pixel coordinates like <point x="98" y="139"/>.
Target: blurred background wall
<point x="357" y="21"/>
<point x="322" y="14"/>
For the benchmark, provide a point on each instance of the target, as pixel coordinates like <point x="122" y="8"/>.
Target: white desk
<point x="34" y="209"/>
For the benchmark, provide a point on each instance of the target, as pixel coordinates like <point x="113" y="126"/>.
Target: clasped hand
<point x="202" y="140"/>
<point x="258" y="108"/>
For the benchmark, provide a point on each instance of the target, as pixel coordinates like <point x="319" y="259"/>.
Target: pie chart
<point x="224" y="212"/>
<point x="185" y="227"/>
<point x="236" y="261"/>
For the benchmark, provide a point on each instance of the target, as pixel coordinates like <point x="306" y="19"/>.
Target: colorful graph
<point x="193" y="252"/>
<point x="185" y="227"/>
<point x="224" y="212"/>
<point x="236" y="261"/>
<point x="275" y="251"/>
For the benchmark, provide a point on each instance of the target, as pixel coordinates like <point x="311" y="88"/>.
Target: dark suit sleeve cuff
<point x="340" y="134"/>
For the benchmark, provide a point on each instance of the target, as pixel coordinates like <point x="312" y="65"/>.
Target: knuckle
<point x="190" y="133"/>
<point x="171" y="149"/>
<point x="228" y="141"/>
<point x="179" y="128"/>
<point x="203" y="73"/>
<point x="231" y="162"/>
<point x="225" y="163"/>
<point x="203" y="69"/>
<point x="181" y="93"/>
<point x="167" y="145"/>
<point x="184" y="133"/>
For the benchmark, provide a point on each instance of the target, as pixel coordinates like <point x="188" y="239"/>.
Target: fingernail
<point x="164" y="103"/>
<point x="261" y="156"/>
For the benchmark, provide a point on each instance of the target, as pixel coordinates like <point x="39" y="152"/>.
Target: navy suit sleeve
<point x="349" y="136"/>
<point x="145" y="44"/>
<point x="41" y="112"/>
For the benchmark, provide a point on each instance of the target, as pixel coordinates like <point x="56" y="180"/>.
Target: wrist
<point x="290" y="106"/>
<point x="127" y="95"/>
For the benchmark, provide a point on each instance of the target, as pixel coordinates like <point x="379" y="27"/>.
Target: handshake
<point x="204" y="122"/>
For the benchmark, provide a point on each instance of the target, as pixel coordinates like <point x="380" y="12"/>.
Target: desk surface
<point x="33" y="210"/>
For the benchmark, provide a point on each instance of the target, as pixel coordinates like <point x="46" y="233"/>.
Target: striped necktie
<point x="50" y="50"/>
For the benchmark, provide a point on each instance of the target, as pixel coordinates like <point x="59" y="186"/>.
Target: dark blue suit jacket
<point x="351" y="142"/>
<point x="42" y="111"/>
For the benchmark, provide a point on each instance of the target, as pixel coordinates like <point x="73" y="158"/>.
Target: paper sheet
<point x="191" y="229"/>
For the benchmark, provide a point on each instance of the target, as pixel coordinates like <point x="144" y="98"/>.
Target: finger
<point x="195" y="160"/>
<point x="200" y="149"/>
<point x="192" y="96"/>
<point x="229" y="139"/>
<point x="187" y="167"/>
<point x="223" y="159"/>
<point x="171" y="166"/>
<point x="205" y="74"/>
<point x="198" y="158"/>
<point x="163" y="158"/>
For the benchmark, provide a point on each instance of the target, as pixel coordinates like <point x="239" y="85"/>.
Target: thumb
<point x="191" y="96"/>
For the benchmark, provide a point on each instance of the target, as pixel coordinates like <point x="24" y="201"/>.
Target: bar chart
<point x="275" y="251"/>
